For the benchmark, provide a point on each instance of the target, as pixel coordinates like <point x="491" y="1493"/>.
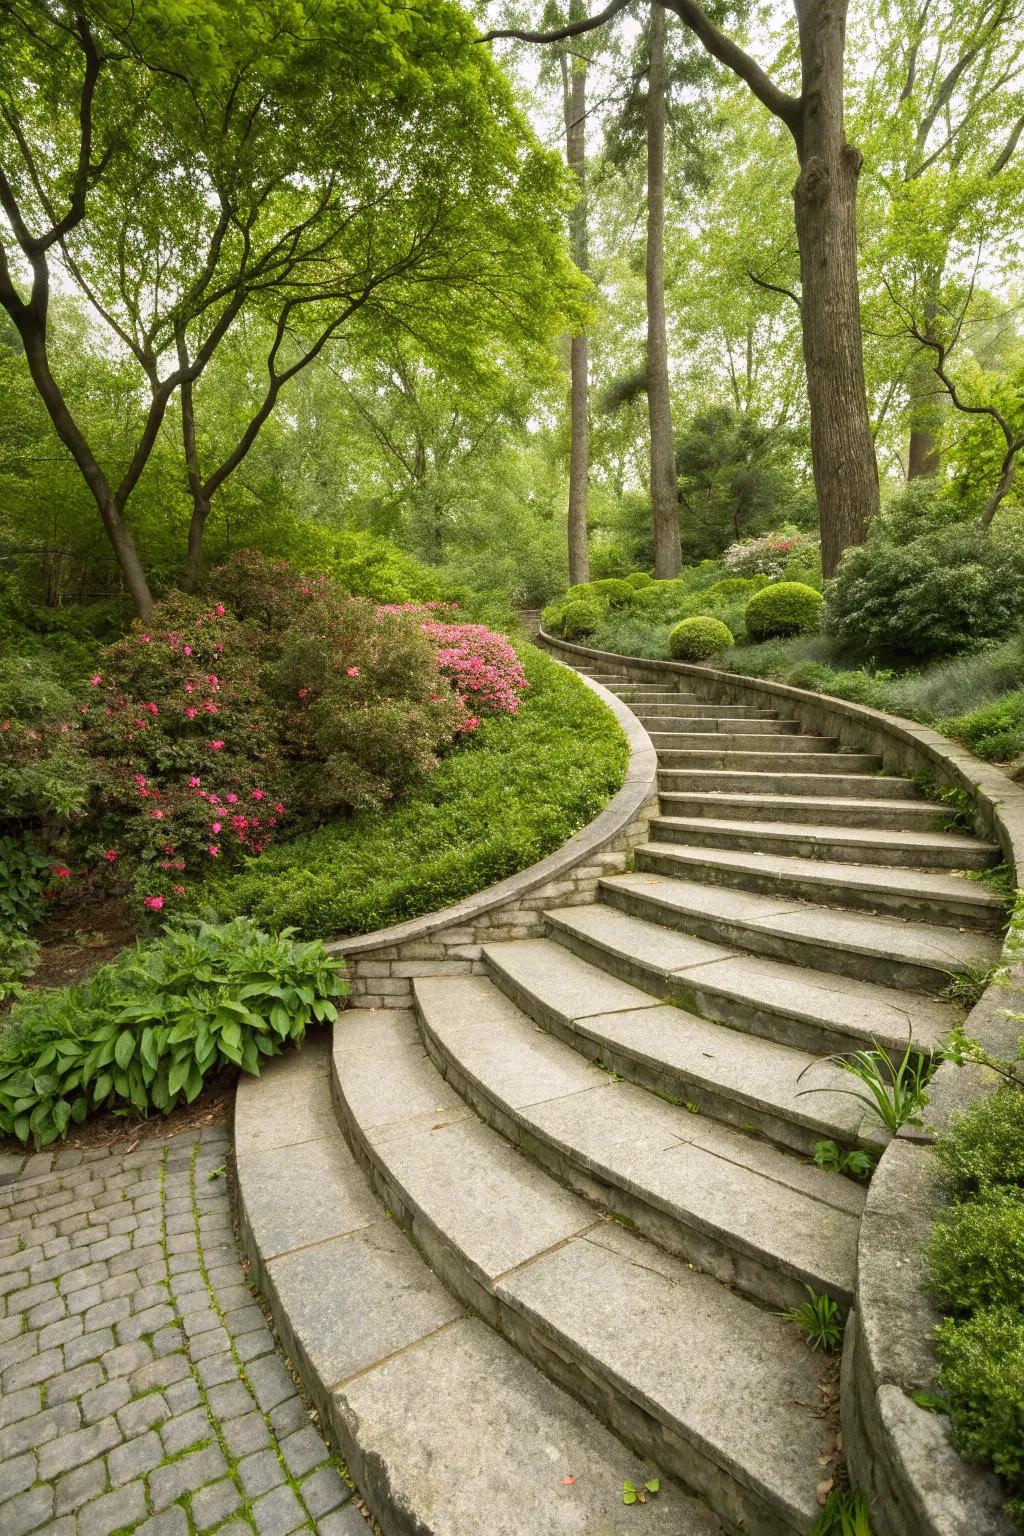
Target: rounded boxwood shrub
<point x="698" y="638"/>
<point x="616" y="592"/>
<point x="785" y="608"/>
<point x="581" y="617"/>
<point x="639" y="579"/>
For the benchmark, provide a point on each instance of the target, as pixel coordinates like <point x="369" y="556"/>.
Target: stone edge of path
<point x="899" y="1453"/>
<point x="449" y="942"/>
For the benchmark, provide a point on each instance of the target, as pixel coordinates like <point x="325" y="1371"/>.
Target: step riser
<point x="704" y="711"/>
<point x="893" y="817"/>
<point x="674" y="725"/>
<point x="755" y="1274"/>
<point x="942" y="911"/>
<point x="970" y="857"/>
<point x="781" y="946"/>
<point x="757" y="761"/>
<point x="693" y="993"/>
<point x="778" y="739"/>
<point x="668" y="1082"/>
<point x="831" y="781"/>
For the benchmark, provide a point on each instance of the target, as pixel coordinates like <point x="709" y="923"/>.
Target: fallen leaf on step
<point x="567" y="1482"/>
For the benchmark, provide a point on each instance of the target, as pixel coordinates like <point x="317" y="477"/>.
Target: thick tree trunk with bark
<point x="575" y="98"/>
<point x="664" y="491"/>
<point x="825" y="201"/>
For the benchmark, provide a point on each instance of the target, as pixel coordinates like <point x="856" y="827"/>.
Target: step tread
<point x="728" y="800"/>
<point x="931" y="944"/>
<point x="861" y="1010"/>
<point x="789" y="785"/>
<point x="397" y="1368"/>
<point x="755" y="1072"/>
<point x="924" y="884"/>
<point x="744" y="741"/>
<point x="748" y="1194"/>
<point x="861" y="837"/>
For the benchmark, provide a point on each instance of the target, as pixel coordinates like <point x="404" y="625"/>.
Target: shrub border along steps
<point x="899" y="1453"/>
<point x="449" y="942"/>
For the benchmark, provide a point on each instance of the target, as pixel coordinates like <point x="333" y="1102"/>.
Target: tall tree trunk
<point x="664" y="490"/>
<point x="923" y="457"/>
<point x="825" y="201"/>
<point x="574" y="75"/>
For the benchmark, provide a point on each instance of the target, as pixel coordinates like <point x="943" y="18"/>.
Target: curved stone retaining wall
<point x="899" y="1453"/>
<point x="447" y="943"/>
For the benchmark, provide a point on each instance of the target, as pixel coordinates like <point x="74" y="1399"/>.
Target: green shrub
<point x="976" y="1254"/>
<point x="25" y="875"/>
<point x="698" y="638"/>
<point x="982" y="1371"/>
<point x="984" y="1149"/>
<point x="517" y="790"/>
<point x="785" y="608"/>
<point x="615" y="592"/>
<point x="44" y="771"/>
<point x="995" y="731"/>
<point x="639" y="579"/>
<point x="951" y="588"/>
<point x="581" y="618"/>
<point x="146" y="1031"/>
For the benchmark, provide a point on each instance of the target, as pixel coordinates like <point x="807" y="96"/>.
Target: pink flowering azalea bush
<point x="274" y="704"/>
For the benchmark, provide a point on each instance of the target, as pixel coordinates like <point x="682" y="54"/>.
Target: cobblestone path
<point x="140" y="1386"/>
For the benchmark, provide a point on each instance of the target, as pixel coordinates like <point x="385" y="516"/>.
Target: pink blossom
<point x="215" y="746"/>
<point x="279" y="808"/>
<point x="231" y="799"/>
<point x="157" y="815"/>
<point x="213" y="851"/>
<point x="96" y="679"/>
<point x="84" y="710"/>
<point x="259" y="794"/>
<point x="191" y="713"/>
<point x="303" y="692"/>
<point x="194" y="781"/>
<point x="179" y="890"/>
<point x="144" y="640"/>
<point x="61" y="871"/>
<point x="140" y="780"/>
<point x="110" y="855"/>
<point x="214" y="799"/>
<point x="220" y="610"/>
<point x="6" y="726"/>
<point x="187" y="650"/>
<point x="351" y="671"/>
<point x="215" y="827"/>
<point x="154" y="903"/>
<point x="190" y="687"/>
<point x="213" y="681"/>
<point x="152" y="708"/>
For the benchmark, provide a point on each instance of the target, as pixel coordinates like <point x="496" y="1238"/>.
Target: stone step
<point x="743" y="1079"/>
<point x="841" y="845"/>
<point x="654" y="693"/>
<point x="815" y="1011"/>
<point x="446" y="1427"/>
<point x="779" y="737"/>
<point x="865" y="945"/>
<point x="926" y="895"/>
<point x="720" y="1393"/>
<point x="668" y="727"/>
<point x="744" y="1211"/>
<point x="825" y="811"/>
<point x="784" y="760"/>
<point x="691" y="708"/>
<point x="825" y="780"/>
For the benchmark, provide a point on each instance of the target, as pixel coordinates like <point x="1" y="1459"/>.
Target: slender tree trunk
<point x="575" y="97"/>
<point x="825" y="200"/>
<point x="664" y="490"/>
<point x="110" y="509"/>
<point x="923" y="457"/>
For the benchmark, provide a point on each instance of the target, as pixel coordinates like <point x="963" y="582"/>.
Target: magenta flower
<point x="152" y="709"/>
<point x="259" y="794"/>
<point x="220" y="610"/>
<point x="216" y="746"/>
<point x="194" y="781"/>
<point x="213" y="851"/>
<point x="144" y="640"/>
<point x="303" y="692"/>
<point x="96" y="679"/>
<point x="61" y="871"/>
<point x="215" y="827"/>
<point x="154" y="903"/>
<point x="110" y="855"/>
<point x="351" y="671"/>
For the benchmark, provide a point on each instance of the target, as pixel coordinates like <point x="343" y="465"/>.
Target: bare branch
<point x="775" y="288"/>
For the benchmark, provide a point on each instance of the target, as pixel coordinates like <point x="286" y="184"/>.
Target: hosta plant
<point x="145" y="1032"/>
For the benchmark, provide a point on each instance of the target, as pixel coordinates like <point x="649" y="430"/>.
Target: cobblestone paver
<point x="140" y="1386"/>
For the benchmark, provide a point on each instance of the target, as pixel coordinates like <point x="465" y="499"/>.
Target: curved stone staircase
<point x="592" y="1184"/>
